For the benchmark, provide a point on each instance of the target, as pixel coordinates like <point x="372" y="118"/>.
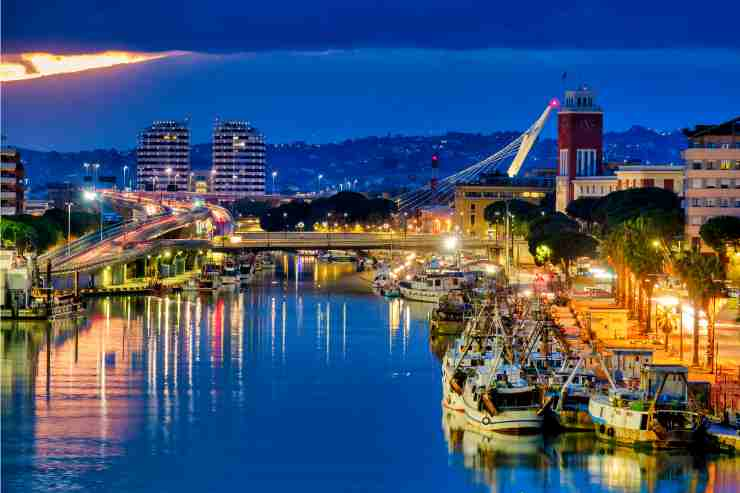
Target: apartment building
<point x="712" y="167"/>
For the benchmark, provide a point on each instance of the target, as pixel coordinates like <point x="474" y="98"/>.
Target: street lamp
<point x="318" y="190"/>
<point x="69" y="225"/>
<point x="169" y="178"/>
<point x="190" y="181"/>
<point x="96" y="166"/>
<point x="125" y="168"/>
<point x="274" y="177"/>
<point x="92" y="196"/>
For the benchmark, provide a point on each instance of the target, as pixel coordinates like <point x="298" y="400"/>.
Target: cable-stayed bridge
<point x="442" y="192"/>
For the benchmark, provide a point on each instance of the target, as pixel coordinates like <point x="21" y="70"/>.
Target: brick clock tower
<point x="580" y="142"/>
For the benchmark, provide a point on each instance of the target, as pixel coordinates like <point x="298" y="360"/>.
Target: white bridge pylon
<point x="445" y="189"/>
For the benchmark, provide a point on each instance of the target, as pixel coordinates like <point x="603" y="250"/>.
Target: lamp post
<point x="318" y="189"/>
<point x="96" y="166"/>
<point x="87" y="169"/>
<point x="169" y="178"/>
<point x="125" y="168"/>
<point x="92" y="196"/>
<point x="190" y="181"/>
<point x="274" y="178"/>
<point x="69" y="225"/>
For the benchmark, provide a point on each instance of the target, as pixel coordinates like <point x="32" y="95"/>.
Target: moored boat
<point x="657" y="415"/>
<point x="431" y="287"/>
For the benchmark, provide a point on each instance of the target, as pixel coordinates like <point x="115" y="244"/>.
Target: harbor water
<point x="305" y="381"/>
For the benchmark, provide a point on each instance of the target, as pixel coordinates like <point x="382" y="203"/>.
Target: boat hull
<point x="627" y="427"/>
<point x="507" y="422"/>
<point x="427" y="296"/>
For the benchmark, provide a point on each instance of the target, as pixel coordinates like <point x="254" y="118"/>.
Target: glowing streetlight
<point x="274" y="177"/>
<point x="125" y="168"/>
<point x="92" y="196"/>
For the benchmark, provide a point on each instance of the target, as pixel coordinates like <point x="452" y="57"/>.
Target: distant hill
<point x="375" y="162"/>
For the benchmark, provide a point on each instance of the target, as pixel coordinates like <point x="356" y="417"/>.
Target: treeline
<point x="39" y="233"/>
<point x="342" y="209"/>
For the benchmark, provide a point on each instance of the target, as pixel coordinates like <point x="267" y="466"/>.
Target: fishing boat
<point x="568" y="396"/>
<point x="449" y="316"/>
<point x="337" y="256"/>
<point x="474" y="349"/>
<point x="503" y="400"/>
<point x="657" y="415"/>
<point x="431" y="287"/>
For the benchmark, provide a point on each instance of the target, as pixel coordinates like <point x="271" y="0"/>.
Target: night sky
<point x="328" y="70"/>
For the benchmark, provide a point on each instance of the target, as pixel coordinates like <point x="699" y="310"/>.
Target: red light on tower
<point x="435" y="161"/>
<point x="554" y="103"/>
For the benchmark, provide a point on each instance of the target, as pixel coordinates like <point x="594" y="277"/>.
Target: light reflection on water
<point x="304" y="380"/>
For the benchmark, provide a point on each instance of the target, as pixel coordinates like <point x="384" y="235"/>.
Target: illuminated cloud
<point x="34" y="65"/>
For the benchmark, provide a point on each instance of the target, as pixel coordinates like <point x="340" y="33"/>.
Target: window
<point x="696" y="220"/>
<point x="695" y="202"/>
<point x="472" y="207"/>
<point x="737" y="202"/>
<point x="709" y="165"/>
<point x="648" y="182"/>
<point x="710" y="183"/>
<point x="696" y="183"/>
<point x="724" y="183"/>
<point x="564" y="162"/>
<point x="710" y="203"/>
<point x="668" y="184"/>
<point x="472" y="220"/>
<point x="725" y="164"/>
<point x="696" y="165"/>
<point x="724" y="202"/>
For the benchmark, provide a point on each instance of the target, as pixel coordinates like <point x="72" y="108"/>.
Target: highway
<point x="131" y="239"/>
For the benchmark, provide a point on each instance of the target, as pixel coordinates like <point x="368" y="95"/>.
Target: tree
<point x="644" y="241"/>
<point x="624" y="205"/>
<point x="249" y="207"/>
<point x="583" y="208"/>
<point x="665" y="321"/>
<point x="703" y="276"/>
<point x="566" y="247"/>
<point x="719" y="232"/>
<point x="521" y="211"/>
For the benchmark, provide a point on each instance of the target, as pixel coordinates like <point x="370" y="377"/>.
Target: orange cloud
<point x="34" y="65"/>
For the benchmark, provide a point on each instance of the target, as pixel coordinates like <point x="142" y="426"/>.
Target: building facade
<point x="668" y="177"/>
<point x="580" y="142"/>
<point x="163" y="157"/>
<point x="239" y="156"/>
<point x="712" y="164"/>
<point x="471" y="200"/>
<point x="11" y="183"/>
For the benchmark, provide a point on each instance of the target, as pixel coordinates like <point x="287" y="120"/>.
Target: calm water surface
<point x="304" y="382"/>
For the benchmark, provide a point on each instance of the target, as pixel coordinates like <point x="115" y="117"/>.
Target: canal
<point x="306" y="381"/>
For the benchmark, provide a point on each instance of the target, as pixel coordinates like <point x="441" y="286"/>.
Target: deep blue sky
<point x="323" y="71"/>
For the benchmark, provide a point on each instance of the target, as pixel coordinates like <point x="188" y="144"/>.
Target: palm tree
<point x="702" y="275"/>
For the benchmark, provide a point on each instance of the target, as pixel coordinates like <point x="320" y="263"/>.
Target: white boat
<point x="337" y="256"/>
<point x="431" y="287"/>
<point x="501" y="400"/>
<point x="657" y="415"/>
